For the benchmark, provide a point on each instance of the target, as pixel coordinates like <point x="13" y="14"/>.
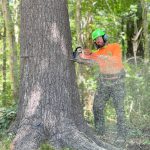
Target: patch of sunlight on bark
<point x="34" y="100"/>
<point x="55" y="33"/>
<point x="57" y="37"/>
<point x="44" y="64"/>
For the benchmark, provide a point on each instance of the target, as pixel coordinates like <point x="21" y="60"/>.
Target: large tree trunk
<point x="49" y="107"/>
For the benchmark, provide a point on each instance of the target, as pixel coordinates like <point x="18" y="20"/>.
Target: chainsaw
<point x="75" y="54"/>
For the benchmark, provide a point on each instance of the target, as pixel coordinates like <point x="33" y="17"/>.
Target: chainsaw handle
<point x="77" y="51"/>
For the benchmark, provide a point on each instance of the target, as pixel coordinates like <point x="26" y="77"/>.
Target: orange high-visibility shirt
<point x="112" y="64"/>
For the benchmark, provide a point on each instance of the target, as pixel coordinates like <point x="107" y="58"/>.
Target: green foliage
<point x="6" y="96"/>
<point x="46" y="146"/>
<point x="7" y="116"/>
<point x="5" y="142"/>
<point x="135" y="133"/>
<point x="138" y="96"/>
<point x="110" y="111"/>
<point x="89" y="117"/>
<point x="147" y="142"/>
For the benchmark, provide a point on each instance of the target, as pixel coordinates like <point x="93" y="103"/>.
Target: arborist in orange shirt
<point x="111" y="81"/>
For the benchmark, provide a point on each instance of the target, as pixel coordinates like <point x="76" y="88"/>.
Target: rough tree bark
<point x="49" y="107"/>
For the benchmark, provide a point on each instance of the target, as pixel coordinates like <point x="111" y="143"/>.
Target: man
<point x="111" y="81"/>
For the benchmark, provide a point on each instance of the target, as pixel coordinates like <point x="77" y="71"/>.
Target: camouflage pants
<point x="107" y="89"/>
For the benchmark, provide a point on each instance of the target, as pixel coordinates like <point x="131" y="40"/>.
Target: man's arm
<point x="92" y="57"/>
<point x="78" y="56"/>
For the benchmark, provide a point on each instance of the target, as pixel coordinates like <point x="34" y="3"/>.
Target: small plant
<point x="46" y="146"/>
<point x="147" y="141"/>
<point x="6" y="141"/>
<point x="7" y="116"/>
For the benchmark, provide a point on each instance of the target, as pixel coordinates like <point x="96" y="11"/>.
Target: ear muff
<point x="96" y="46"/>
<point x="105" y="37"/>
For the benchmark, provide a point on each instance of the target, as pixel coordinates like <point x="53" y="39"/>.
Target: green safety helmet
<point x="96" y="33"/>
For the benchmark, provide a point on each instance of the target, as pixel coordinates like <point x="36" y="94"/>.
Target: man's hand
<point x="87" y="51"/>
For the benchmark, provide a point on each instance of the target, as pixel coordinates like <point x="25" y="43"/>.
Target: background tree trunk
<point x="49" y="107"/>
<point x="134" y="23"/>
<point x="78" y="22"/>
<point x="81" y="69"/>
<point x="145" y="30"/>
<point x="4" y="68"/>
<point x="12" y="47"/>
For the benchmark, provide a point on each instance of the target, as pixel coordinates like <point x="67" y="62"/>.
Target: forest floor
<point x="136" y="139"/>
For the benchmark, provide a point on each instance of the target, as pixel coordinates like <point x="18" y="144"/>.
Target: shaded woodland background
<point x="126" y="22"/>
